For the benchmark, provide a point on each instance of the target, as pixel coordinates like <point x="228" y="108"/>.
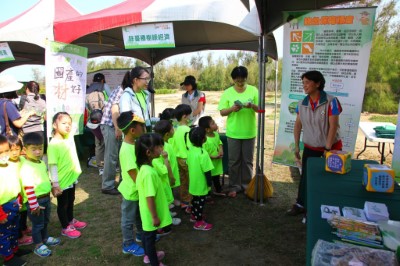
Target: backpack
<point x="95" y="101"/>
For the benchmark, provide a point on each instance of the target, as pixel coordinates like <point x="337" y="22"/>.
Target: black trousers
<point x="65" y="206"/>
<point x="302" y="192"/>
<point x="149" y="246"/>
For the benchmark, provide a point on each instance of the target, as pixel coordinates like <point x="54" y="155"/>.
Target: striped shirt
<point x="112" y="100"/>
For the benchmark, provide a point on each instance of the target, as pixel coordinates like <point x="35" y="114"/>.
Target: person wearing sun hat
<point x="8" y="91"/>
<point x="193" y="97"/>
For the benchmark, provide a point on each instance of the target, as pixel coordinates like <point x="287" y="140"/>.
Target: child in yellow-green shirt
<point x="213" y="146"/>
<point x="180" y="143"/>
<point x="133" y="127"/>
<point x="200" y="166"/>
<point x="153" y="205"/>
<point x="36" y="183"/>
<point x="167" y="165"/>
<point x="10" y="188"/>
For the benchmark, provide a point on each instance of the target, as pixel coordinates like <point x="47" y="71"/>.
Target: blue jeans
<point x="111" y="148"/>
<point x="40" y="222"/>
<point x="130" y="215"/>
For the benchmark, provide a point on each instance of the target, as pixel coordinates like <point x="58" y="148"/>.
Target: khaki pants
<point x="241" y="152"/>
<point x="184" y="175"/>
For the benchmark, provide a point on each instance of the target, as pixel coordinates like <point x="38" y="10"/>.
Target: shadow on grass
<point x="244" y="233"/>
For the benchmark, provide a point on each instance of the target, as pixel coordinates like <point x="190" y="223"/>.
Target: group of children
<point x="25" y="189"/>
<point x="154" y="164"/>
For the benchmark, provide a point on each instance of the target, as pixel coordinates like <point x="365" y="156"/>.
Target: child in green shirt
<point x="10" y="188"/>
<point x="132" y="126"/>
<point x="36" y="183"/>
<point x="180" y="144"/>
<point x="64" y="172"/>
<point x="153" y="204"/>
<point x="213" y="146"/>
<point x="200" y="166"/>
<point x="167" y="165"/>
<point x="15" y="162"/>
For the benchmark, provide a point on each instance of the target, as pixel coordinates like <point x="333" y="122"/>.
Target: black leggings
<point x="198" y="203"/>
<point x="23" y="215"/>
<point x="65" y="206"/>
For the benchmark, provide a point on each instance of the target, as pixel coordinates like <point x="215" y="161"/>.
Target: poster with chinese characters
<point x="66" y="68"/>
<point x="5" y="52"/>
<point x="336" y="42"/>
<point x="155" y="35"/>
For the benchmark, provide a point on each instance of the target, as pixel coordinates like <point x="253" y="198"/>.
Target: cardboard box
<point x="338" y="162"/>
<point x="378" y="178"/>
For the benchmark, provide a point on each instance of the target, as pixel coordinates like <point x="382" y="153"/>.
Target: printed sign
<point x="66" y="68"/>
<point x="157" y="35"/>
<point x="5" y="52"/>
<point x="336" y="42"/>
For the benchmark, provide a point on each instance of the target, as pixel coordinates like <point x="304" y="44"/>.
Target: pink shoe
<point x="160" y="256"/>
<point x="27" y="231"/>
<point x="25" y="240"/>
<point x="203" y="226"/>
<point x="71" y="232"/>
<point x="78" y="224"/>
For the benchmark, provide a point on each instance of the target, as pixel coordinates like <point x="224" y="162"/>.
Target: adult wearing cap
<point x="239" y="104"/>
<point x="193" y="97"/>
<point x="98" y="86"/>
<point x="8" y="91"/>
<point x="136" y="97"/>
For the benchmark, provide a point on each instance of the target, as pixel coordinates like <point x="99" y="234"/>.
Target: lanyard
<point x="140" y="105"/>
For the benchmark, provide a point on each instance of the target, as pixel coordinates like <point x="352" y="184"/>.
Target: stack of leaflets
<point x="357" y="232"/>
<point x="327" y="254"/>
<point x="354" y="213"/>
<point x="376" y="211"/>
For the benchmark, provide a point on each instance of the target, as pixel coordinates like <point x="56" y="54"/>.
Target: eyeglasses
<point x="146" y="79"/>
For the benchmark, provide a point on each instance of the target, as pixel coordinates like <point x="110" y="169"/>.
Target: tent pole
<point x="152" y="60"/>
<point x="258" y="192"/>
<point x="276" y="92"/>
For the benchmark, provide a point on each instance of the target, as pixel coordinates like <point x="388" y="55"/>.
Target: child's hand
<point x="3" y="221"/>
<point x="56" y="191"/>
<point x="221" y="153"/>
<point x="156" y="221"/>
<point x="37" y="210"/>
<point x="164" y="154"/>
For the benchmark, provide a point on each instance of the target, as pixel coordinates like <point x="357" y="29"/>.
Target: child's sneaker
<point x="42" y="251"/>
<point x="173" y="214"/>
<point x="25" y="240"/>
<point x="176" y="221"/>
<point x="70" y="232"/>
<point x="78" y="224"/>
<point x="163" y="231"/>
<point x="52" y="241"/>
<point x="177" y="202"/>
<point x="171" y="206"/>
<point x="133" y="249"/>
<point x="188" y="210"/>
<point x="192" y="218"/>
<point x="184" y="205"/>
<point x="27" y="231"/>
<point x="202" y="225"/>
<point x="160" y="256"/>
<point x="15" y="261"/>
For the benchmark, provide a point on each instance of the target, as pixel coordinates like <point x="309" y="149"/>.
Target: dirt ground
<point x="244" y="233"/>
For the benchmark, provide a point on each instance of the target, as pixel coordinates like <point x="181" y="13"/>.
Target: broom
<point x="267" y="188"/>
